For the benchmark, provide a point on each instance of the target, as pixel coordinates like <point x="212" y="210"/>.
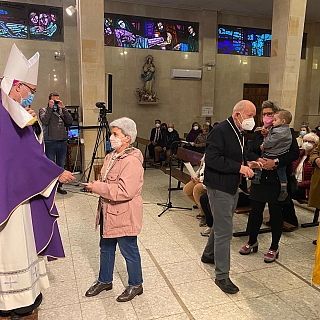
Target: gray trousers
<point x="222" y="206"/>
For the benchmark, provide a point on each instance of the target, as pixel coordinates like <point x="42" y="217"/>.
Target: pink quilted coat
<point x="122" y="207"/>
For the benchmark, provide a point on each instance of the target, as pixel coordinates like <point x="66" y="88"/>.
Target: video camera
<point x="103" y="109"/>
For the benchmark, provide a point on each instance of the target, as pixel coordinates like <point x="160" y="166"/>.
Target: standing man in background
<point x="55" y="117"/>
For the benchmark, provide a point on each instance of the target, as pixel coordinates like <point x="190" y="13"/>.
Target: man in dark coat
<point x="225" y="168"/>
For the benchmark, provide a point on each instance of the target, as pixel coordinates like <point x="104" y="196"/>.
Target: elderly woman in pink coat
<point x="120" y="209"/>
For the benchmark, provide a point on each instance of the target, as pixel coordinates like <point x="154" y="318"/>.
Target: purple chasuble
<point x="25" y="171"/>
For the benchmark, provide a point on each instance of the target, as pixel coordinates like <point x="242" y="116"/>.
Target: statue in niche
<point x="148" y="76"/>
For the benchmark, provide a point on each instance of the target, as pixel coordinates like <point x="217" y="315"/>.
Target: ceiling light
<point x="70" y="10"/>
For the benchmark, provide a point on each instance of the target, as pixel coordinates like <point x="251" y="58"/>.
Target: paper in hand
<point x="190" y="169"/>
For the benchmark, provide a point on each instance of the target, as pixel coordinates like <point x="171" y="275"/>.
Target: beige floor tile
<point x="108" y="309"/>
<point x="201" y="294"/>
<point x="277" y="279"/>
<point x="184" y="272"/>
<point x="225" y="311"/>
<point x="60" y="270"/>
<point x="181" y="316"/>
<point x="155" y="304"/>
<point x="60" y="294"/>
<point x="165" y="255"/>
<point x="304" y="300"/>
<point x="62" y="313"/>
<point x="268" y="307"/>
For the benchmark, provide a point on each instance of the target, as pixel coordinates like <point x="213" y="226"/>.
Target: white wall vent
<point x="186" y="74"/>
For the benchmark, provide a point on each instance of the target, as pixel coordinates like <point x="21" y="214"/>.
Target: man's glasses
<point x="268" y="114"/>
<point x="33" y="91"/>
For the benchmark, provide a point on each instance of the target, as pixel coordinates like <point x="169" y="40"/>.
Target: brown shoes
<point x="130" y="293"/>
<point x="97" y="287"/>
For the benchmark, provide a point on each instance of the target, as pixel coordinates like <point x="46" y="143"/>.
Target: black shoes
<point x="61" y="191"/>
<point x="97" y="287"/>
<point x="226" y="285"/>
<point x="126" y="295"/>
<point x="205" y="259"/>
<point x="130" y="293"/>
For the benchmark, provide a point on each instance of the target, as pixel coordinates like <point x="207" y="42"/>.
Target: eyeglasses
<point x="268" y="114"/>
<point x="309" y="141"/>
<point x="33" y="91"/>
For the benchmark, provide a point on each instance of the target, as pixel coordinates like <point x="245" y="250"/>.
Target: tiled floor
<point x="177" y="286"/>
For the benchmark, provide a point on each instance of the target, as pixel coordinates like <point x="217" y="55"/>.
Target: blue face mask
<point x="26" y="102"/>
<point x="302" y="133"/>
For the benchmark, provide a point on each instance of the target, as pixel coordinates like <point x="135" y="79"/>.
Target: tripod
<point x="104" y="131"/>
<point x="168" y="205"/>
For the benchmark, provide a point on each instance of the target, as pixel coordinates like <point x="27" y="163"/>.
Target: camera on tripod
<point x="103" y="109"/>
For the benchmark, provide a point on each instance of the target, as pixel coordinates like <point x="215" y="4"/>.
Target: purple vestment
<point x="25" y="172"/>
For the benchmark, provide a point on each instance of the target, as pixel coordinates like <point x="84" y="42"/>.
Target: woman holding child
<point x="268" y="189"/>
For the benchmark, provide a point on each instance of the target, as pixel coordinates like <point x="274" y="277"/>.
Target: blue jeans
<point x="56" y="151"/>
<point x="130" y="251"/>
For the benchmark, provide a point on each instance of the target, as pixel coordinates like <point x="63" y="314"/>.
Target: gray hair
<point x="271" y="104"/>
<point x="312" y="136"/>
<point x="127" y="126"/>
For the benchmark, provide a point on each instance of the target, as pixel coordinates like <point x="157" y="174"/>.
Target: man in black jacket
<point x="168" y="143"/>
<point x="155" y="135"/>
<point x="224" y="169"/>
<point x="55" y="117"/>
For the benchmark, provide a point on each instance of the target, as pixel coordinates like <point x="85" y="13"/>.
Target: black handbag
<point x="293" y="182"/>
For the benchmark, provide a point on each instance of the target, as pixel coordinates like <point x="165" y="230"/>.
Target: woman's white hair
<point x="127" y="126"/>
<point x="312" y="136"/>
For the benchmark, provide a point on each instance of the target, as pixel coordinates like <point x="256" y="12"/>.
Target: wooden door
<point x="257" y="93"/>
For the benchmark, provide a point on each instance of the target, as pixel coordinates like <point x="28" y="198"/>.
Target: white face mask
<point x="170" y="129"/>
<point x="195" y="128"/>
<point x="307" y="146"/>
<point x="208" y="123"/>
<point x="115" y="142"/>
<point x="247" y="124"/>
<point x="157" y="125"/>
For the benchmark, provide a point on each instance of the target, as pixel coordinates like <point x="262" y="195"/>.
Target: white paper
<point x="190" y="169"/>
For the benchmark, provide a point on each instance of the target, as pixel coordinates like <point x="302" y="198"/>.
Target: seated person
<point x="194" y="132"/>
<point x="154" y="137"/>
<point x="161" y="142"/>
<point x="200" y="141"/>
<point x="303" y="172"/>
<point x="171" y="143"/>
<point x="194" y="189"/>
<point x="303" y="131"/>
<point x="208" y="123"/>
<point x="276" y="143"/>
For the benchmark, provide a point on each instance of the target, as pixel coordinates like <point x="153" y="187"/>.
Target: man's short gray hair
<point x="127" y="126"/>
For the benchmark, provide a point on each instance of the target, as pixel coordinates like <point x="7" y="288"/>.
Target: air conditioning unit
<point x="186" y="74"/>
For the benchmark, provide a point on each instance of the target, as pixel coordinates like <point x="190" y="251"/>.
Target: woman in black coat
<point x="269" y="188"/>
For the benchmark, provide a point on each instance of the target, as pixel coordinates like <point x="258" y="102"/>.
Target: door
<point x="256" y="93"/>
